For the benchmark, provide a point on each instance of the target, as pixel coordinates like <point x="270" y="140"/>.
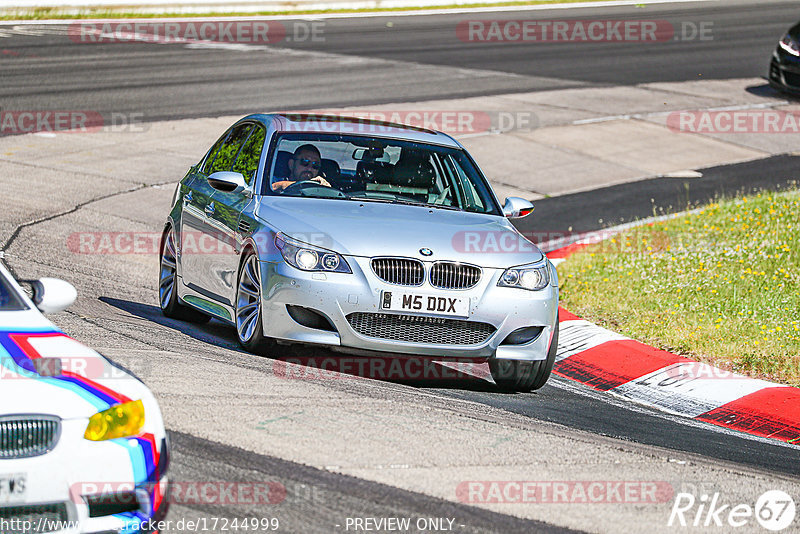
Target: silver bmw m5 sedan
<point x="361" y="236"/>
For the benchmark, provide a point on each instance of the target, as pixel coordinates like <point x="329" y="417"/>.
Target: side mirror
<point x="516" y="208"/>
<point x="227" y="182"/>
<point x="52" y="295"/>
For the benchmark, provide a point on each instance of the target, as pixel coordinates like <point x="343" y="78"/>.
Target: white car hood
<point x="87" y="383"/>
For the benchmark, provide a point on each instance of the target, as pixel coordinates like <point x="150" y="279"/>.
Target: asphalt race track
<point x="362" y="62"/>
<point x="366" y="448"/>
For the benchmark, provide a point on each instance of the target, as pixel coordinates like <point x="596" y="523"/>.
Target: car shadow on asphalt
<point x="767" y="91"/>
<point x="318" y="363"/>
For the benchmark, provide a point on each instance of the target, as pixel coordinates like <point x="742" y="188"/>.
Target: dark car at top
<point x="784" y="68"/>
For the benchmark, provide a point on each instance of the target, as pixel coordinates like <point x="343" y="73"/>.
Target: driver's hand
<point x="280" y="186"/>
<point x="321" y="181"/>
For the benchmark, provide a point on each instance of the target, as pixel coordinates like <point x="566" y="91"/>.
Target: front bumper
<point x="336" y="296"/>
<point x="83" y="487"/>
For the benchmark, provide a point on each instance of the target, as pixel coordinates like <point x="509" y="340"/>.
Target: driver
<point x="304" y="166"/>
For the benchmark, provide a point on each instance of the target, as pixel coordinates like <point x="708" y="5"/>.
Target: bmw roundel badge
<point x="426" y="252"/>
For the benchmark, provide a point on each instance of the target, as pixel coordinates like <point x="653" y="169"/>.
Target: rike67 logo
<point x="774" y="510"/>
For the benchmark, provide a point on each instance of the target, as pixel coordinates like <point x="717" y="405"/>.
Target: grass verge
<point x="56" y="13"/>
<point x="720" y="285"/>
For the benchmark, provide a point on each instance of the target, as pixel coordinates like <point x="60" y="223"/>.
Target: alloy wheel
<point x="248" y="299"/>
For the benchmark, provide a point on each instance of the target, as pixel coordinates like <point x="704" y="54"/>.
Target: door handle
<point x="210" y="209"/>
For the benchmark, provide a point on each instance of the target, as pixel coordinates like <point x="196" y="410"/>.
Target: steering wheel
<point x="303" y="184"/>
<point x="300" y="186"/>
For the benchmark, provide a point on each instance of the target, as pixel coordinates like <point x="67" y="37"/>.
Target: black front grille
<point x="791" y="78"/>
<point x="112" y="503"/>
<point x="36" y="517"/>
<point x="774" y="72"/>
<point x="419" y="329"/>
<point x="28" y="435"/>
<point x="399" y="271"/>
<point x="446" y="275"/>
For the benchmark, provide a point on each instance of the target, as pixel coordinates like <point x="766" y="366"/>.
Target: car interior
<point x="375" y="169"/>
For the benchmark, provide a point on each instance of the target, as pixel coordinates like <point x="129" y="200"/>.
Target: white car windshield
<point x="9" y="299"/>
<point x="376" y="169"/>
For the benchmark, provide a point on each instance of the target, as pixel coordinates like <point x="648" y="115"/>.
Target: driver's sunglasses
<point x="305" y="162"/>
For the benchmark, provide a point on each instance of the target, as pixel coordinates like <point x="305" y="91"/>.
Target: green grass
<point x="56" y="13"/>
<point x="721" y="285"/>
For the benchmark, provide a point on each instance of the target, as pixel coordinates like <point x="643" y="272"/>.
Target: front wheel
<point x="249" y="326"/>
<point x="523" y="375"/>
<point x="168" y="283"/>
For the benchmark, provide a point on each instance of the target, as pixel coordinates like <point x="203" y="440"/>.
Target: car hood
<point x="371" y="229"/>
<point x="87" y="382"/>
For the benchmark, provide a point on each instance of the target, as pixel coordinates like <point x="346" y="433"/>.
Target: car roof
<point x="339" y="124"/>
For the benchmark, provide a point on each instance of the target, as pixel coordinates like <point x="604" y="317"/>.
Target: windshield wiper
<point x="407" y="202"/>
<point x="425" y="204"/>
<point x="372" y="199"/>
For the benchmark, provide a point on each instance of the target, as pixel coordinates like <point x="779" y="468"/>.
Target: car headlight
<point x="309" y="258"/>
<point x="530" y="277"/>
<point x="119" y="421"/>
<point x="789" y="44"/>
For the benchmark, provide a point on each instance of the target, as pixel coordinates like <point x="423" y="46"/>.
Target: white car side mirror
<point x="52" y="295"/>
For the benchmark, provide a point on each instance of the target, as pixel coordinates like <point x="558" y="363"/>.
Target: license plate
<point x="423" y="303"/>
<point x="12" y="488"/>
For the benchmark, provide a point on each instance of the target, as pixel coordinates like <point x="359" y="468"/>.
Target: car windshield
<point x="377" y="170"/>
<point x="9" y="299"/>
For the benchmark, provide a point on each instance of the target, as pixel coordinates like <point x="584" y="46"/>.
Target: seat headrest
<point x="376" y="172"/>
<point x="330" y="168"/>
<point x="282" y="164"/>
<point x="414" y="172"/>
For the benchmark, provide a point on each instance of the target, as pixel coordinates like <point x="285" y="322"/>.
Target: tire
<point x="546" y="367"/>
<point x="247" y="312"/>
<point x="167" y="284"/>
<point x="523" y="375"/>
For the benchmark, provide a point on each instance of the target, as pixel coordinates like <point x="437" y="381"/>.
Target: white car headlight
<point x="530" y="277"/>
<point x="310" y="258"/>
<point x="790" y="45"/>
